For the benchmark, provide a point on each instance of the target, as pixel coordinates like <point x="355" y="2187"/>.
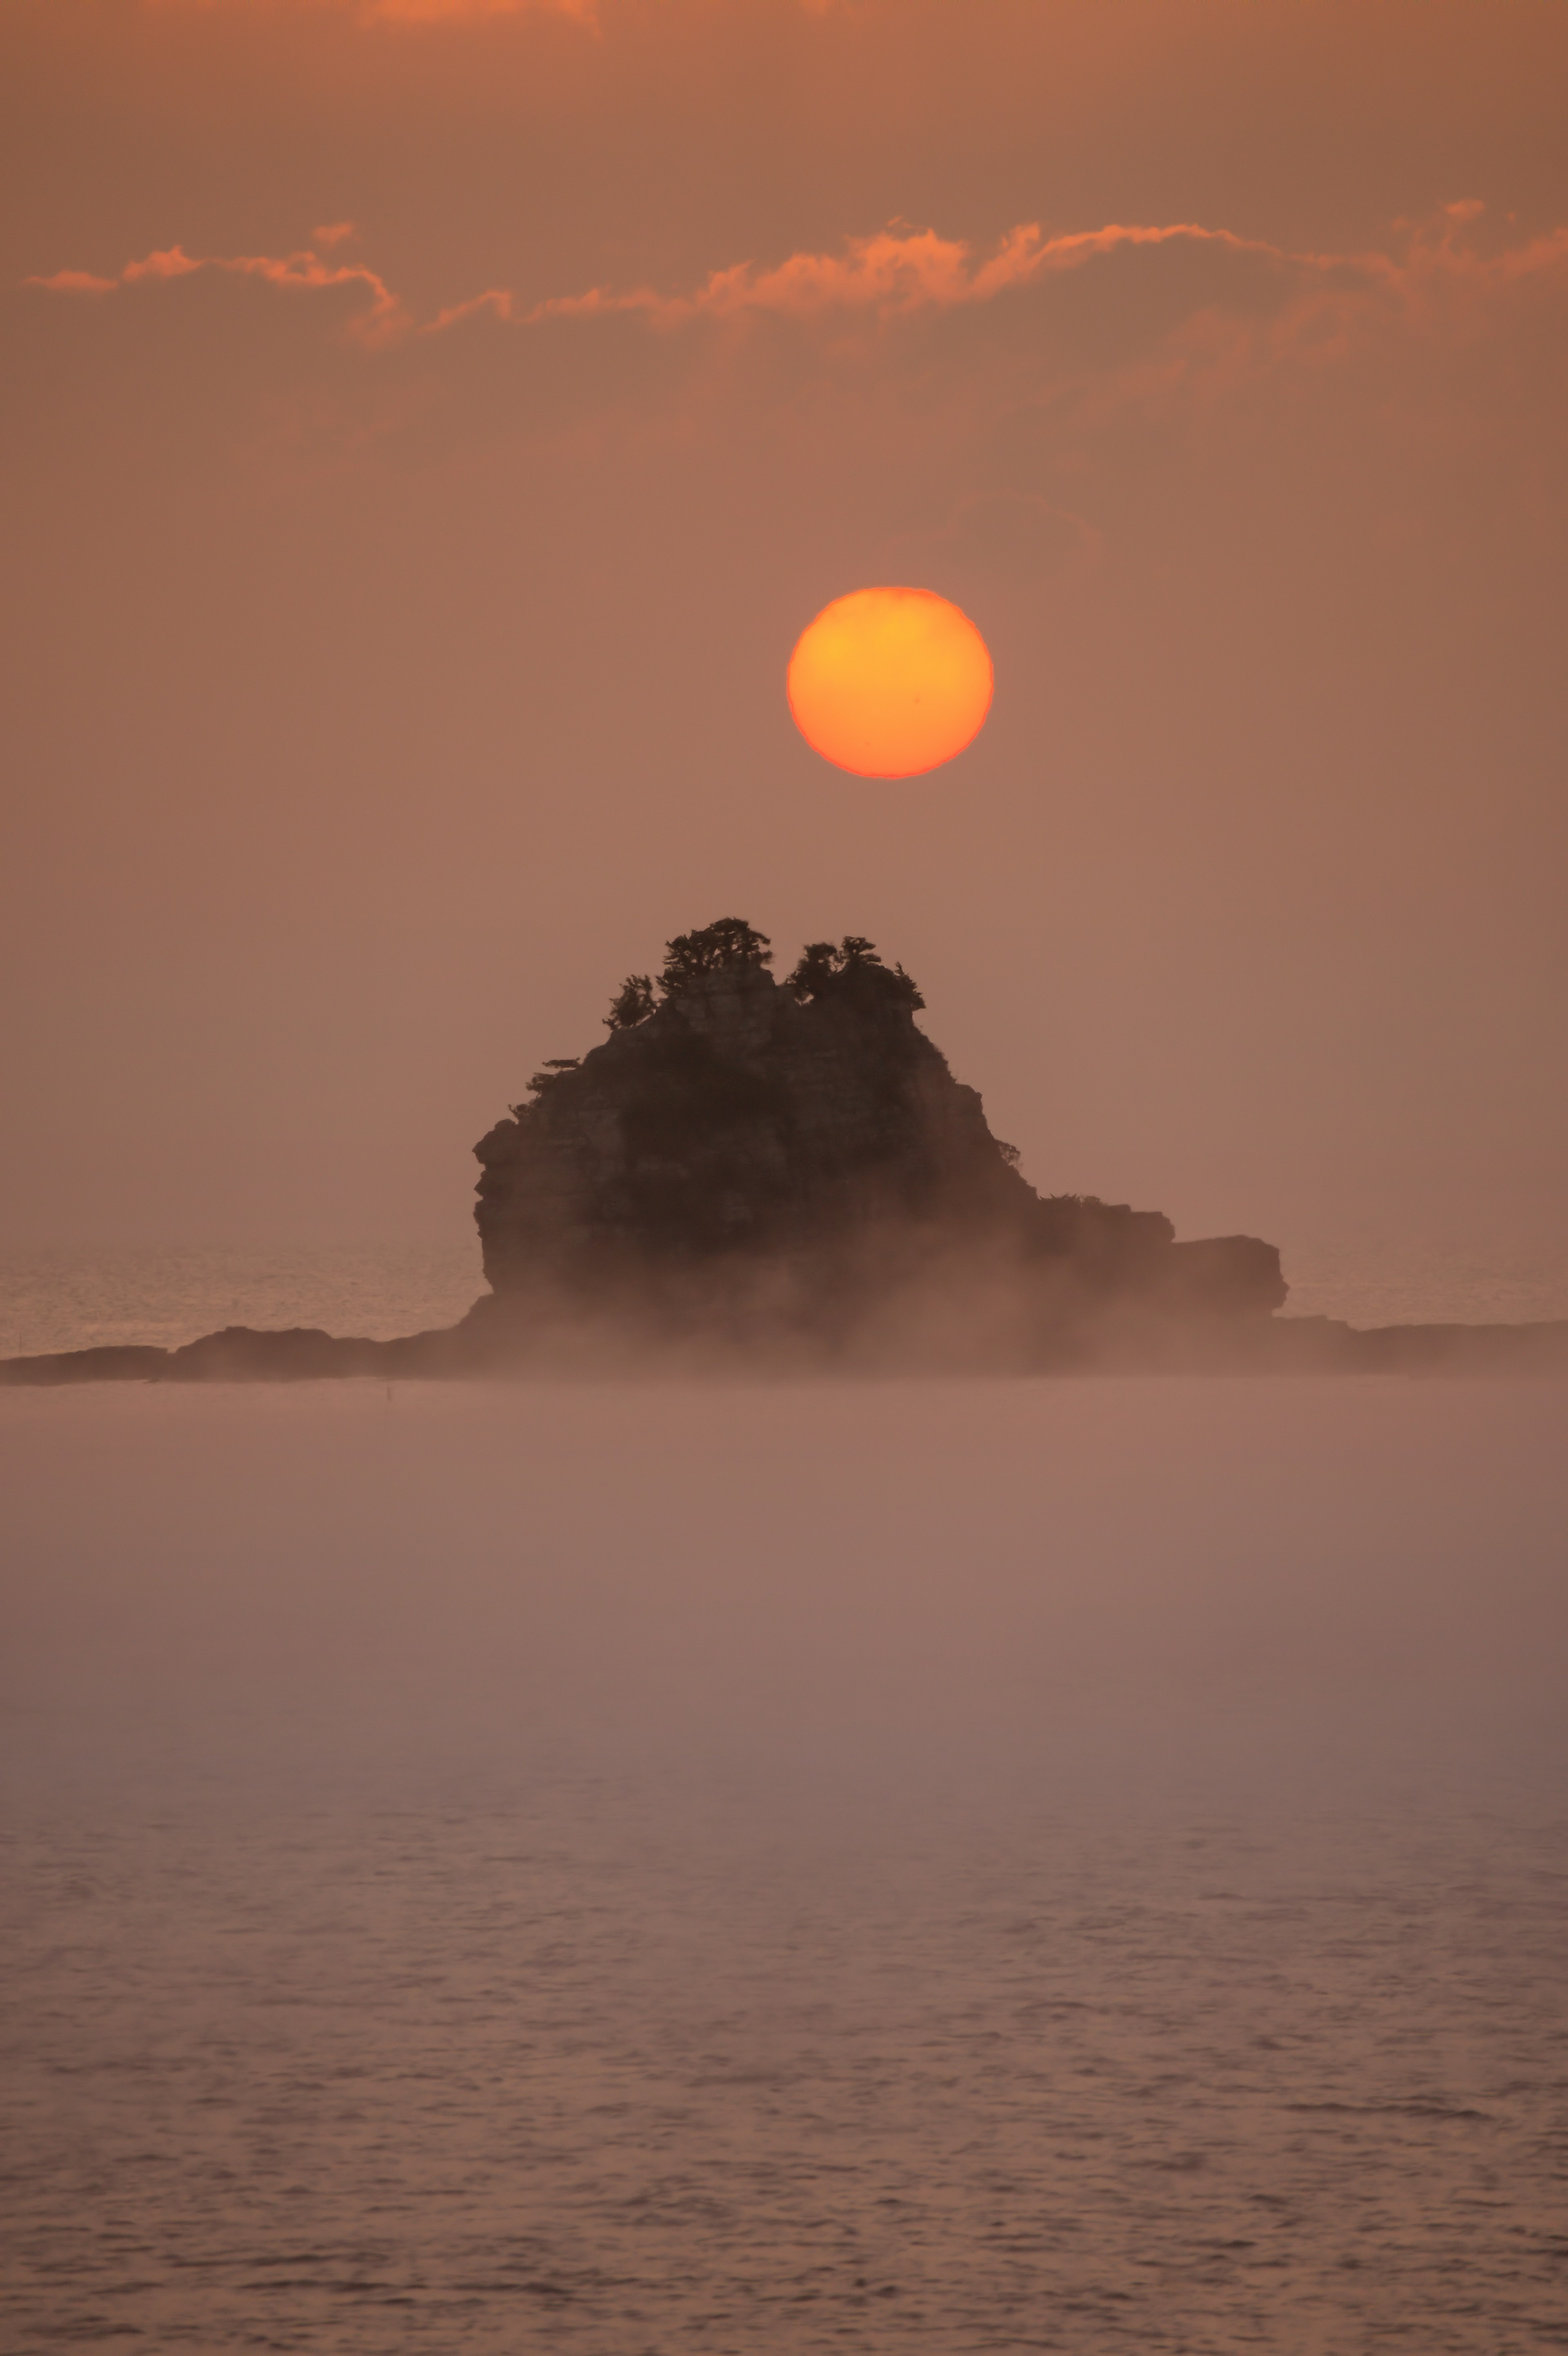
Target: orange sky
<point x="429" y="428"/>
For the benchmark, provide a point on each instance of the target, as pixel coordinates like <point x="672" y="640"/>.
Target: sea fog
<point x="72" y="1298"/>
<point x="639" y="1867"/>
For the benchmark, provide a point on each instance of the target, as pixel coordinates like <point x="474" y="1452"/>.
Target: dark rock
<point x="241" y="1354"/>
<point x="1463" y="1349"/>
<point x="1326" y="1345"/>
<point x="304" y="1353"/>
<point x="112" y="1362"/>
<point x="806" y="1144"/>
<point x="1224" y="1275"/>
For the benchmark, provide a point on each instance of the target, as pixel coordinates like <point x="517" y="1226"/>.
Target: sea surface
<point x="633" y="1868"/>
<point x="74" y="1299"/>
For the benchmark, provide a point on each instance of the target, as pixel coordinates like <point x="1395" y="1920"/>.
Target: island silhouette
<point x="750" y="1172"/>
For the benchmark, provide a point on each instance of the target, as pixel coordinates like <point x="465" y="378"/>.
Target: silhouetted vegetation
<point x="632" y="1004"/>
<point x="730" y="941"/>
<point x="556" y="1068"/>
<point x="853" y="969"/>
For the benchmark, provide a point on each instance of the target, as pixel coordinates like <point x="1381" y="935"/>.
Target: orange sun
<point x="888" y="682"/>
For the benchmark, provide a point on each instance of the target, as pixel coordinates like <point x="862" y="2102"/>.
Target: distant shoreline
<point x="1279" y="1345"/>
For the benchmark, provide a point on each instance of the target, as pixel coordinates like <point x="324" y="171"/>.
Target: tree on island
<point x="556" y="1067"/>
<point x="632" y="1004"/>
<point x="730" y="941"/>
<point x="853" y="969"/>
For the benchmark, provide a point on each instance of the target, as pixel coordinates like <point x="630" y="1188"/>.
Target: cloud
<point x="174" y="263"/>
<point x="381" y="319"/>
<point x="442" y="11"/>
<point x="895" y="272"/>
<point x="1311" y="307"/>
<point x="74" y="282"/>
<point x="1261" y="305"/>
<point x="445" y="12"/>
<point x="499" y="301"/>
<point x="419" y="12"/>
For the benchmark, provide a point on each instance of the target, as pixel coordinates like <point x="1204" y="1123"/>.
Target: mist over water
<point x="630" y="1867"/>
<point x="69" y="1298"/>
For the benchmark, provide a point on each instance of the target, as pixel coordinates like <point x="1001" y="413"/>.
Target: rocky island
<point x="750" y="1170"/>
<point x="794" y="1161"/>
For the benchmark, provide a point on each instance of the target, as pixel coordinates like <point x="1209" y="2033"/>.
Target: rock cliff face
<point x="807" y="1140"/>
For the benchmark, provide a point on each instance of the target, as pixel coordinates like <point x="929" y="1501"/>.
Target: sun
<point x="890" y="683"/>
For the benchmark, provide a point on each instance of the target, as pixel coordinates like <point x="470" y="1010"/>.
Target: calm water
<point x="74" y="1300"/>
<point x="936" y="1866"/>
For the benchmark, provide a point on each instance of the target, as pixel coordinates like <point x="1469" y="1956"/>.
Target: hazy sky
<point x="429" y="427"/>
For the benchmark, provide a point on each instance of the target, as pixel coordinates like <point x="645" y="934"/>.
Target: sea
<point x="641" y="1867"/>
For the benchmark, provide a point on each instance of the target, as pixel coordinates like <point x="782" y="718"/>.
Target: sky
<point x="429" y="427"/>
